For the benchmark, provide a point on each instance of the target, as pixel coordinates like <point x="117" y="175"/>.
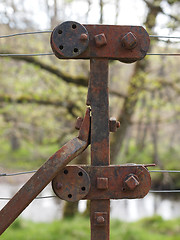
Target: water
<point x="47" y="210"/>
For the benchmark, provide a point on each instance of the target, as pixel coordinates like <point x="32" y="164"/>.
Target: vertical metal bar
<point x="100" y="152"/>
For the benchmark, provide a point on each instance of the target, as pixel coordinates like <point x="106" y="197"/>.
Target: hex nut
<point x="129" y="41"/>
<point x="131" y="182"/>
<point x="100" y="40"/>
<point x="102" y="183"/>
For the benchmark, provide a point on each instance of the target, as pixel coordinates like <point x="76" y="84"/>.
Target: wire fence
<point x="50" y="54"/>
<point x="159" y="37"/>
<point x="47" y="197"/>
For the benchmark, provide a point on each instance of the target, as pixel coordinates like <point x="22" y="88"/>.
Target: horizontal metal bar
<point x="25" y="54"/>
<point x="37" y="198"/>
<point x="25" y="33"/>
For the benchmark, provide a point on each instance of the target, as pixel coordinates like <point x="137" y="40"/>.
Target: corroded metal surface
<point x="99" y="182"/>
<point x="44" y="175"/>
<point x="98" y="99"/>
<point x="125" y="43"/>
<point x="71" y="184"/>
<point x="117" y="176"/>
<point x="70" y="38"/>
<point x="107" y="182"/>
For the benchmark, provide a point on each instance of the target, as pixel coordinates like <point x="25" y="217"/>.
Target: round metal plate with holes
<point x="69" y="39"/>
<point x="71" y="184"/>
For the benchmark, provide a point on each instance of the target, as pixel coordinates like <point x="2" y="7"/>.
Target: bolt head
<point x="100" y="219"/>
<point x="83" y="37"/>
<point x="129" y="41"/>
<point x="58" y="186"/>
<point x="100" y="40"/>
<point x="113" y="124"/>
<point x="78" y="123"/>
<point x="131" y="182"/>
<point x="102" y="183"/>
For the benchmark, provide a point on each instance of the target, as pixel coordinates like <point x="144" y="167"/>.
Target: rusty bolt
<point x="100" y="40"/>
<point x="113" y="124"/>
<point x="102" y="183"/>
<point x="129" y="41"/>
<point x="132" y="182"/>
<point x="58" y="185"/>
<point x="78" y="123"/>
<point x="83" y="37"/>
<point x="100" y="219"/>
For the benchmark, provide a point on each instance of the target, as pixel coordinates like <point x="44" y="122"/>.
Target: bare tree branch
<point x="80" y="81"/>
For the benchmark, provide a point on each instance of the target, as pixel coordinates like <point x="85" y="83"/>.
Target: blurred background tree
<point x="40" y="97"/>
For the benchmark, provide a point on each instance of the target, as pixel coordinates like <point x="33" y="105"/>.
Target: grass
<point x="78" y="228"/>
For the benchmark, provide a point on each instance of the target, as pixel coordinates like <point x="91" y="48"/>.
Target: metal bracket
<point x="124" y="43"/>
<point x="109" y="182"/>
<point x="101" y="181"/>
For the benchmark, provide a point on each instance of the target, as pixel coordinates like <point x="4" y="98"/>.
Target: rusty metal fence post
<point x="100" y="181"/>
<point x="100" y="151"/>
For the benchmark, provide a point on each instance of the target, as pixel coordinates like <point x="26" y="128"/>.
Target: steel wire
<point x="53" y="196"/>
<point x="33" y="171"/>
<point x="164" y="191"/>
<point x="165" y="171"/>
<point x="163" y="54"/>
<point x="24" y="54"/>
<point x="37" y="198"/>
<point x="15" y="174"/>
<point x="49" y="31"/>
<point x="157" y="36"/>
<point x="49" y="54"/>
<point x="25" y="33"/>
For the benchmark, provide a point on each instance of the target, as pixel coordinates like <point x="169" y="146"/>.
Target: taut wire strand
<point x="33" y="171"/>
<point x="25" y="33"/>
<point x="164" y="191"/>
<point x="37" y="198"/>
<point x="25" y="54"/>
<point x="157" y="36"/>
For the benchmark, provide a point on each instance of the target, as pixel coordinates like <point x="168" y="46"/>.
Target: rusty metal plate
<point x="70" y="39"/>
<point x="120" y="181"/>
<point x="107" y="182"/>
<point x="71" y="184"/>
<point x="125" y="43"/>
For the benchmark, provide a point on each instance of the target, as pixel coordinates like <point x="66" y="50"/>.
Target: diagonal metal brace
<point x="44" y="175"/>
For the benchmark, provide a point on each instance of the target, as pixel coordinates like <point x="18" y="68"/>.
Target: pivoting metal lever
<point x="45" y="174"/>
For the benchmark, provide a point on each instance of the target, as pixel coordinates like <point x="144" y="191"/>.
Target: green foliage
<point x="79" y="228"/>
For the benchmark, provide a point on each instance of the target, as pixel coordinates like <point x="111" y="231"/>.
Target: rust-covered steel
<point x="98" y="99"/>
<point x="125" y="43"/>
<point x="101" y="181"/>
<point x="45" y="175"/>
<point x="71" y="184"/>
<point x="105" y="182"/>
